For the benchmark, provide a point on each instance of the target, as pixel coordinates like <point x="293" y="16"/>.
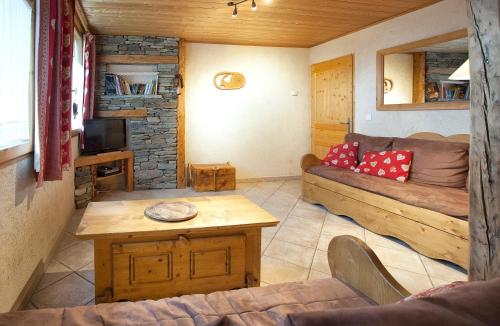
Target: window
<point x="77" y="82"/>
<point x="16" y="76"/>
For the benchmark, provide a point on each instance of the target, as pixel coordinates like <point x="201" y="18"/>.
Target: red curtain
<point x="55" y="58"/>
<point x="88" y="86"/>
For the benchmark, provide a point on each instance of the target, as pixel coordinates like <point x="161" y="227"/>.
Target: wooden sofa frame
<point x="354" y="263"/>
<point x="431" y="233"/>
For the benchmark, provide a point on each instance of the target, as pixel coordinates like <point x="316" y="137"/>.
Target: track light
<point x="236" y="3"/>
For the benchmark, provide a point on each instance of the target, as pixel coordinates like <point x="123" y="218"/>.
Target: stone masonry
<point x="153" y="139"/>
<point x="83" y="186"/>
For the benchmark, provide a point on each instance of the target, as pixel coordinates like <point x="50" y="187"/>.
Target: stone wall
<point x="83" y="186"/>
<point x="153" y="138"/>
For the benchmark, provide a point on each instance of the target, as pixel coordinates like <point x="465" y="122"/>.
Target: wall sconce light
<point x="236" y="3"/>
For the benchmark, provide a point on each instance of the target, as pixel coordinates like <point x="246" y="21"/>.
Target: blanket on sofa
<point x="268" y="305"/>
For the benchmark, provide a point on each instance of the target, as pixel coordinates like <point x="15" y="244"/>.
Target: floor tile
<point x="278" y="271"/>
<point x="311" y="225"/>
<point x="290" y="252"/>
<point x="413" y="282"/>
<point x="71" y="291"/>
<point x="383" y="241"/>
<point x="337" y="219"/>
<point x="320" y="262"/>
<point x="55" y="271"/>
<point x="76" y="256"/>
<point x="408" y="261"/>
<point x="324" y="241"/>
<point x="270" y="232"/>
<point x="308" y="212"/>
<point x="87" y="272"/>
<point x="74" y="221"/>
<point x="67" y="240"/>
<point x="301" y="204"/>
<point x="278" y="210"/>
<point x="297" y="236"/>
<point x="437" y="282"/>
<point x="316" y="275"/>
<point x="443" y="270"/>
<point x="336" y="229"/>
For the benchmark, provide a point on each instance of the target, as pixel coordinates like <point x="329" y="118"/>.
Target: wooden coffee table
<point x="137" y="258"/>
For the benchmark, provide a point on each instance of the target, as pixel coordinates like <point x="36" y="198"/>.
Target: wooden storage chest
<point x="213" y="177"/>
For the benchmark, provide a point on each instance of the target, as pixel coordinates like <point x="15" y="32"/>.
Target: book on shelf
<point x="117" y="85"/>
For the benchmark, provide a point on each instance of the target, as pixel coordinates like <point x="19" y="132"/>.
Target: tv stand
<point x="127" y="166"/>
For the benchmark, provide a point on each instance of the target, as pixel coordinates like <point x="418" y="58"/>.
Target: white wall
<point x="398" y="67"/>
<point x="443" y="17"/>
<point x="261" y="128"/>
<point x="31" y="221"/>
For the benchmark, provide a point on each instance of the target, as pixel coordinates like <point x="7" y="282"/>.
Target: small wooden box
<point x="213" y="177"/>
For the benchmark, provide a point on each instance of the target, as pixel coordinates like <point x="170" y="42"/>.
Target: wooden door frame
<point x="181" y="120"/>
<point x="323" y="66"/>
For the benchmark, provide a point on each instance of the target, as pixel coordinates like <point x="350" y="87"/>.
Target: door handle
<point x="349" y="124"/>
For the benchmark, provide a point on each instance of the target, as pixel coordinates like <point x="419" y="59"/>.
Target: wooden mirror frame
<point x="454" y="105"/>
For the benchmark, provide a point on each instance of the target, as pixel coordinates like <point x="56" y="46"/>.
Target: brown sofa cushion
<point x="368" y="143"/>
<point x="437" y="163"/>
<point x="476" y="303"/>
<point x="449" y="201"/>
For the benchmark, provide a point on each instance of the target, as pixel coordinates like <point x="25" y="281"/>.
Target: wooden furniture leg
<point x="130" y="174"/>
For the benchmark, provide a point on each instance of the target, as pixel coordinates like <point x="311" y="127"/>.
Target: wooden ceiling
<point x="291" y="23"/>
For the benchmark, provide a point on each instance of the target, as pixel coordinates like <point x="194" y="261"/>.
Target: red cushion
<point x="343" y="156"/>
<point x="387" y="164"/>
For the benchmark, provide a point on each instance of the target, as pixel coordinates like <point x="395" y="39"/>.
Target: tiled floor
<point x="288" y="252"/>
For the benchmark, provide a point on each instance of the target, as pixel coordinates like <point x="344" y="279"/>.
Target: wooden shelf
<point x="137" y="59"/>
<point x="103" y="158"/>
<point x="129" y="96"/>
<point x="110" y="176"/>
<point x="137" y="113"/>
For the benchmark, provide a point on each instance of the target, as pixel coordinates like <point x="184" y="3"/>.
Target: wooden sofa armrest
<point x="308" y="161"/>
<point x="354" y="263"/>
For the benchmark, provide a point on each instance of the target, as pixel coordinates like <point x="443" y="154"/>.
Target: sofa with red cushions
<point x="423" y="202"/>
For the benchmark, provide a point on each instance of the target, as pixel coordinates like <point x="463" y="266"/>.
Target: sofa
<point x="361" y="292"/>
<point x="429" y="212"/>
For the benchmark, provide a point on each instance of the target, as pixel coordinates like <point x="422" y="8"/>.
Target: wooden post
<point x="484" y="54"/>
<point x="181" y="153"/>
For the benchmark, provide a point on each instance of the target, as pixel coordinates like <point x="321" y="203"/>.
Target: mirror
<point x="430" y="74"/>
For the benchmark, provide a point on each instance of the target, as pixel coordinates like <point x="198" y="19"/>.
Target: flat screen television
<point x="104" y="135"/>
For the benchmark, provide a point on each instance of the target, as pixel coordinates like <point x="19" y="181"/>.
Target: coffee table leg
<point x="103" y="273"/>
<point x="253" y="243"/>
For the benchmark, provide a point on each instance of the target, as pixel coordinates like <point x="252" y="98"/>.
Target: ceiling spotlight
<point x="254" y="5"/>
<point x="236" y="3"/>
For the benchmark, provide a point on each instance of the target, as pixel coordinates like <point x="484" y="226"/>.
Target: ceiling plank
<point x="293" y="23"/>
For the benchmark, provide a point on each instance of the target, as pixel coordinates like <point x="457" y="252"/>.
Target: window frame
<point x="13" y="152"/>
<point x="75" y="131"/>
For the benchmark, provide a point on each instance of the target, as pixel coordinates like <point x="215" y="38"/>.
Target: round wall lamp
<point x="236" y="3"/>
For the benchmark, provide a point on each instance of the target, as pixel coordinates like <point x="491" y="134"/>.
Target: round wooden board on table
<point x="171" y="212"/>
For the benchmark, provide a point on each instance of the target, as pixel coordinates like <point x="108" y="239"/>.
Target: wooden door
<point x="332" y="103"/>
